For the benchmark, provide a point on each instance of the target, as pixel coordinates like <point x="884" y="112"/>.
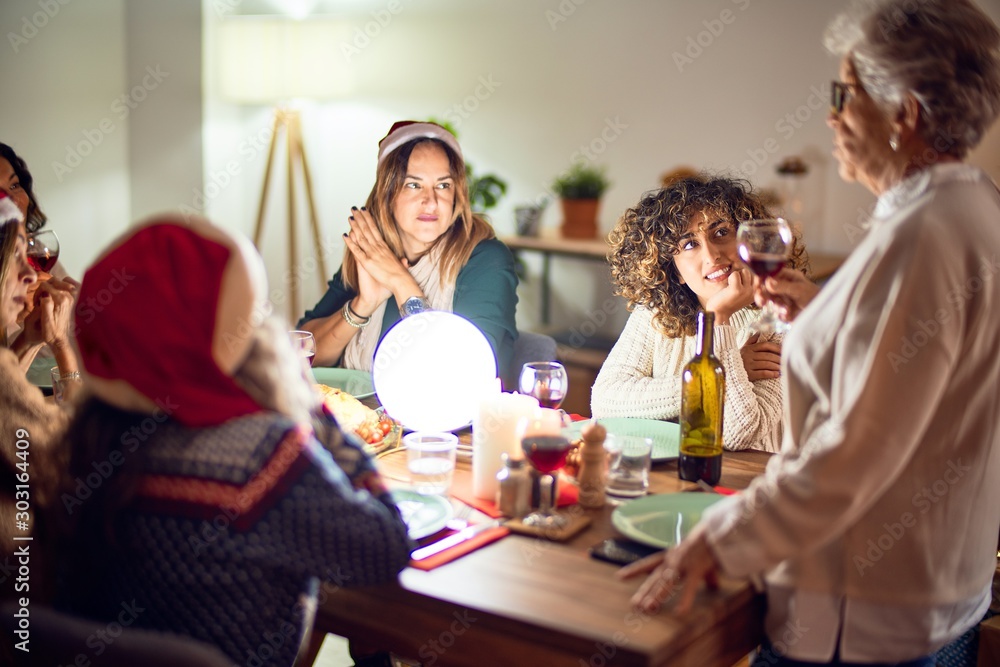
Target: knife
<point x="452" y="540"/>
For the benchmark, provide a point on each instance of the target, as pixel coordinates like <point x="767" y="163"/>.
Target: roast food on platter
<point x="374" y="427"/>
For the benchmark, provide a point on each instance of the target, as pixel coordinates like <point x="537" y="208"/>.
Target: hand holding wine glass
<point x="43" y="250"/>
<point x="764" y="246"/>
<point x="546" y="381"/>
<point x="789" y="290"/>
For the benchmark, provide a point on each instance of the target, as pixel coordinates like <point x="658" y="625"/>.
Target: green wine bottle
<point x="703" y="395"/>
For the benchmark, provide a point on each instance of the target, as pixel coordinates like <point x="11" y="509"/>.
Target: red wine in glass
<point x="43" y="250"/>
<point x="764" y="246"/>
<point x="546" y="381"/>
<point x="765" y="266"/>
<point x="547" y="453"/>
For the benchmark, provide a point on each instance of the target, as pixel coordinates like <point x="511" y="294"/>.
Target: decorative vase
<point x="579" y="218"/>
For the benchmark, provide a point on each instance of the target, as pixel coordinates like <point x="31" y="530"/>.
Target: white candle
<point x="494" y="432"/>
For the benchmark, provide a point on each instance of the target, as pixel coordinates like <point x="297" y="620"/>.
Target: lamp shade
<point x="265" y="60"/>
<point x="432" y="369"/>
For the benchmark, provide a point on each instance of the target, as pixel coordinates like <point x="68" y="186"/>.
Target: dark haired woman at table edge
<point x="231" y="489"/>
<point x="416" y="244"/>
<point x="876" y="523"/>
<point x="673" y="254"/>
<point x="17" y="183"/>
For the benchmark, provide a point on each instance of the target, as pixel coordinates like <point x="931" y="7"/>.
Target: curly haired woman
<point x="672" y="254"/>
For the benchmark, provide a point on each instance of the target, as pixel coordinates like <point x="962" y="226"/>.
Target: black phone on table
<point x="620" y="552"/>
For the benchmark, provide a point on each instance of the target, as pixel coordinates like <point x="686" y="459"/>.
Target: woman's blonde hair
<point x="647" y="236"/>
<point x="8" y="241"/>
<point x="466" y="231"/>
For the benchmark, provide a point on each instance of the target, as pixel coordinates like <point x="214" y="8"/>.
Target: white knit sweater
<point x="642" y="378"/>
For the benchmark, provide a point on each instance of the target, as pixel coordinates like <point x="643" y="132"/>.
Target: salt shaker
<point x="514" y="492"/>
<point x="592" y="476"/>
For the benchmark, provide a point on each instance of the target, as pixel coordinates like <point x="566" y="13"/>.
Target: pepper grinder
<point x="593" y="466"/>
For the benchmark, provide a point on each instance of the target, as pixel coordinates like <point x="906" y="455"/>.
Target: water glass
<point x="629" y="459"/>
<point x="430" y="458"/>
<point x="58" y="384"/>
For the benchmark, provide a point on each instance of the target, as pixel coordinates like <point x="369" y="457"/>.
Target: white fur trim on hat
<point x="9" y="212"/>
<point x="407" y="133"/>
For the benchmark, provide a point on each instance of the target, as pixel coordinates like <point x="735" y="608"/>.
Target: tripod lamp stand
<point x="290" y="120"/>
<point x="264" y="60"/>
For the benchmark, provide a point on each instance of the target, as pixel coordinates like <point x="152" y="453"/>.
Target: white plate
<point x="662" y="520"/>
<point x="356" y="383"/>
<point x="423" y="514"/>
<point x="666" y="436"/>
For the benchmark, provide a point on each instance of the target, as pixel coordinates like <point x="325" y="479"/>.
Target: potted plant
<point x="580" y="189"/>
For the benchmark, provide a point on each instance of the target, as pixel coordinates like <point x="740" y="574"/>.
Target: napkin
<point x="460" y="549"/>
<point x="462" y="490"/>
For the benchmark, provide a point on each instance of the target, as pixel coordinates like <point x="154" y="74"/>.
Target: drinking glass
<point x="764" y="246"/>
<point x="430" y="458"/>
<point x="629" y="460"/>
<point x="304" y="343"/>
<point x="546" y="448"/>
<point x="43" y="250"/>
<point x="546" y="381"/>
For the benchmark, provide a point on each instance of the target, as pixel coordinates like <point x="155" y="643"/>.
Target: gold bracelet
<point x="349" y="316"/>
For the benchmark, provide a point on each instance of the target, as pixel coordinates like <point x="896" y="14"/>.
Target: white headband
<point x="402" y="133"/>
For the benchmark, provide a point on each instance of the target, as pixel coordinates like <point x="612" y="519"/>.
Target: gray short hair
<point x="945" y="52"/>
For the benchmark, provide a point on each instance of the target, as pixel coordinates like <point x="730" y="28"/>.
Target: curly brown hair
<point x="646" y="237"/>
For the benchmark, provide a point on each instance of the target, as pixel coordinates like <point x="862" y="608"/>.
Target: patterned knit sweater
<point x="228" y="526"/>
<point x="642" y="378"/>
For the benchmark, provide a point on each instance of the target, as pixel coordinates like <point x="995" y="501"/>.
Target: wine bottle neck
<point x="706" y="327"/>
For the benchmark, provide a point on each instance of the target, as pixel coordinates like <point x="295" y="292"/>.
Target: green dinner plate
<point x="423" y="514"/>
<point x="356" y="383"/>
<point x="666" y="435"/>
<point x="662" y="520"/>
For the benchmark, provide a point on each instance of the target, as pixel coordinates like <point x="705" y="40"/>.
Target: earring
<point x="894" y="141"/>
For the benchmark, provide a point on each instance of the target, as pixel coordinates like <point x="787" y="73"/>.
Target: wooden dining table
<point x="528" y="601"/>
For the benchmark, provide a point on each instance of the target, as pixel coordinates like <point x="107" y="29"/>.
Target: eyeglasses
<point x="840" y="94"/>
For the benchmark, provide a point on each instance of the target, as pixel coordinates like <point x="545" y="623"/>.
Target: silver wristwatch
<point x="414" y="305"/>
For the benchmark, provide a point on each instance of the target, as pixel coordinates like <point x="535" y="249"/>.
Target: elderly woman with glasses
<point x="876" y="524"/>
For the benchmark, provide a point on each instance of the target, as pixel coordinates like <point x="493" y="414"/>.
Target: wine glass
<point x="43" y="250"/>
<point x="546" y="448"/>
<point x="304" y="343"/>
<point x="764" y="246"/>
<point x="546" y="381"/>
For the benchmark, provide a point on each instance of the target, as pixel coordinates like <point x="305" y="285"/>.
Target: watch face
<point x="414" y="305"/>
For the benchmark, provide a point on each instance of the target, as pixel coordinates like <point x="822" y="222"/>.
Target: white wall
<point x="529" y="84"/>
<point x="103" y="100"/>
<point x="555" y="86"/>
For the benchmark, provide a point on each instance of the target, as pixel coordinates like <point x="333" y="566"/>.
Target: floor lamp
<point x="269" y="60"/>
<point x="290" y="121"/>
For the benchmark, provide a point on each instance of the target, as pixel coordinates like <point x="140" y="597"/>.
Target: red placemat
<point x="459" y="550"/>
<point x="462" y="490"/>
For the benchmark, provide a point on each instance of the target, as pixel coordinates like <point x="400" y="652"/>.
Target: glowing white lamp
<point x="432" y="369"/>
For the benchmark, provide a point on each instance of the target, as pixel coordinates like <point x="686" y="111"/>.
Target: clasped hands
<point x="380" y="273"/>
<point x="48" y="313"/>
